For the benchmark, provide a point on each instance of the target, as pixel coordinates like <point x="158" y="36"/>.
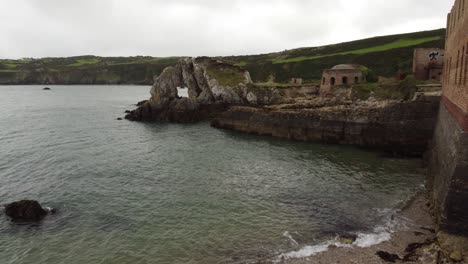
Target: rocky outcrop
<point x="25" y="210"/>
<point x="398" y="127"/>
<point x="211" y="85"/>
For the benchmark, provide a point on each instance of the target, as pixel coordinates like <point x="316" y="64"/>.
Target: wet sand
<point x="418" y="228"/>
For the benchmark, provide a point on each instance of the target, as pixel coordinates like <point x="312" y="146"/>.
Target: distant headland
<point x="386" y="55"/>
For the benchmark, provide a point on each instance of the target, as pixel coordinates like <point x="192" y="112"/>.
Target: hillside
<point x="83" y="70"/>
<point x="385" y="55"/>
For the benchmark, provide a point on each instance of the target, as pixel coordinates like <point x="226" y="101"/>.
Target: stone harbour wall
<point x="448" y="174"/>
<point x="448" y="162"/>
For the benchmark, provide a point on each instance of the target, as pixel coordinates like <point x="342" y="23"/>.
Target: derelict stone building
<point x="340" y="75"/>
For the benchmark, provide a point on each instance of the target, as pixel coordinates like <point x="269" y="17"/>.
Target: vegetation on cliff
<point x="83" y="70"/>
<point x="386" y="56"/>
<point x="386" y="90"/>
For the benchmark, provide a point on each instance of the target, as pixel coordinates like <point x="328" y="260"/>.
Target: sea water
<point x="170" y="193"/>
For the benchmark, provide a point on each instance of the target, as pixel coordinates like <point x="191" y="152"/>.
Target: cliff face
<point x="212" y="85"/>
<point x="398" y="127"/>
<point x="226" y="93"/>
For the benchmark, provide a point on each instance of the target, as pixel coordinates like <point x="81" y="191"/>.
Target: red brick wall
<point x="423" y="62"/>
<point x="455" y="85"/>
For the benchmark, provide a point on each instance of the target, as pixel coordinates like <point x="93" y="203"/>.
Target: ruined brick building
<point x="428" y="64"/>
<point x="342" y="75"/>
<point x="296" y="81"/>
<point x="448" y="176"/>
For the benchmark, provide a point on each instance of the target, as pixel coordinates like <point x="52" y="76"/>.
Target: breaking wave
<point x="380" y="234"/>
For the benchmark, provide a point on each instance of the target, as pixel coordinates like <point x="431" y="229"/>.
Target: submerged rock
<point x="456" y="256"/>
<point x="347" y="239"/>
<point x="46" y="89"/>
<point x="141" y="103"/>
<point x="26" y="210"/>
<point x="388" y="257"/>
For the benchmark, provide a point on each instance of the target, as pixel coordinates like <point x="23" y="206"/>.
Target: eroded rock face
<point x="210" y="84"/>
<point x="25" y="210"/>
<point x="403" y="128"/>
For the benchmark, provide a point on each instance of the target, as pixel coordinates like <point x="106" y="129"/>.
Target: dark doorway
<point x="332" y="80"/>
<point x="345" y="80"/>
<point x="356" y="79"/>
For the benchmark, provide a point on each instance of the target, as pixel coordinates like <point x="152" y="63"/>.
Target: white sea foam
<point x="379" y="235"/>
<point x="288" y="235"/>
<point x="306" y="251"/>
<point x="368" y="240"/>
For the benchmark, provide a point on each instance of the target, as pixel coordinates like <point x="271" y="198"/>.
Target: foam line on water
<point x="378" y="235"/>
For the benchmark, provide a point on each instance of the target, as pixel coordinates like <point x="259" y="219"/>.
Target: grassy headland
<point x="385" y="55"/>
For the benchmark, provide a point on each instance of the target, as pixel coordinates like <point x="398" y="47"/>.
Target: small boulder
<point x="141" y="103"/>
<point x="388" y="257"/>
<point x="127" y="111"/>
<point x="25" y="210"/>
<point x="456" y="256"/>
<point x="347" y="239"/>
<point x="119" y="118"/>
<point x="46" y="89"/>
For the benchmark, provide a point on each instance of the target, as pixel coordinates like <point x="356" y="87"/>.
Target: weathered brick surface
<point x="456" y="56"/>
<point x="448" y="173"/>
<point x="428" y="64"/>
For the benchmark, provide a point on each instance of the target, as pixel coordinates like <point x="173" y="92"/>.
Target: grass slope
<point x="385" y="55"/>
<point x="393" y="45"/>
<point x="83" y="70"/>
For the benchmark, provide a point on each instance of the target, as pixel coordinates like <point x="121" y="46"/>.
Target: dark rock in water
<point x="127" y="111"/>
<point x="141" y="103"/>
<point x="25" y="210"/>
<point x="347" y="239"/>
<point x="119" y="118"/>
<point x="388" y="257"/>
<point x="431" y="230"/>
<point x="46" y="89"/>
<point x="413" y="247"/>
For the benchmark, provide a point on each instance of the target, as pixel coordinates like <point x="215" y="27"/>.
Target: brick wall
<point x="428" y="63"/>
<point x="448" y="168"/>
<point x="456" y="56"/>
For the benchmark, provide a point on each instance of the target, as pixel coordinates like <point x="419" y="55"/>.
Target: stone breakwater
<point x="398" y="127"/>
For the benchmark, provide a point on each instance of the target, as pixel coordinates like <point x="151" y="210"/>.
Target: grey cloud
<point x="39" y="28"/>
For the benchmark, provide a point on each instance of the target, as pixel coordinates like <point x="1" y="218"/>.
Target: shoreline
<point x="412" y="241"/>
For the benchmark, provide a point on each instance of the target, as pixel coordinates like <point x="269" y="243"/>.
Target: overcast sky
<point x="55" y="28"/>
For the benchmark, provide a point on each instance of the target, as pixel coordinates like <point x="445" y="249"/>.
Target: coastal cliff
<point x="398" y="127"/>
<point x="226" y="94"/>
<point x="212" y="86"/>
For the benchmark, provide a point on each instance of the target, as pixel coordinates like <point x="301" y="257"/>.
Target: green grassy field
<point x="82" y="62"/>
<point x="386" y="56"/>
<point x="393" y="45"/>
